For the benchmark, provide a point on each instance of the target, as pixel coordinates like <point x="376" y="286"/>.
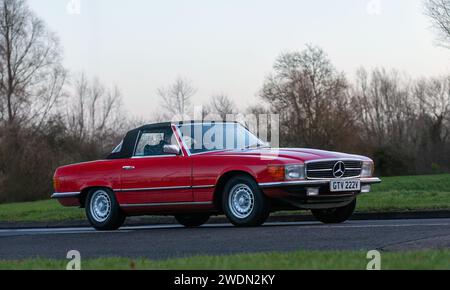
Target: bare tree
<point x="222" y="106"/>
<point x="387" y="110"/>
<point x="176" y="98"/>
<point x="31" y="74"/>
<point x="433" y="108"/>
<point x="433" y="95"/>
<point x="311" y="98"/>
<point x="404" y="123"/>
<point x="95" y="111"/>
<point x="439" y="13"/>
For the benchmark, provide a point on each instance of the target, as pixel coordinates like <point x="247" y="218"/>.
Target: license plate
<point x="345" y="185"/>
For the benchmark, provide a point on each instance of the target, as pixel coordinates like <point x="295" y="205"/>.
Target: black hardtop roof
<point x="129" y="142"/>
<point x="168" y="124"/>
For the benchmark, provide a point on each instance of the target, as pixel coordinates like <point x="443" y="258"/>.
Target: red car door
<point x="153" y="177"/>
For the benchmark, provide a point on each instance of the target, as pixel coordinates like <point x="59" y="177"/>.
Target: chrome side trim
<point x="164" y="188"/>
<point x="153" y="189"/>
<point x="203" y="186"/>
<point x="365" y="181"/>
<point x="165" y="204"/>
<point x="65" y="194"/>
<point x="154" y="156"/>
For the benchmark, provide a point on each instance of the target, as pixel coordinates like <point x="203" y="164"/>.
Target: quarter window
<point x="118" y="148"/>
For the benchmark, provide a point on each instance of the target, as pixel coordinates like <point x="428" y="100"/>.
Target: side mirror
<point x="172" y="150"/>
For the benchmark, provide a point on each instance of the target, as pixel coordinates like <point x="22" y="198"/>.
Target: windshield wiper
<point x="256" y="147"/>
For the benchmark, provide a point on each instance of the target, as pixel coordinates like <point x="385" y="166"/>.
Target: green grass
<point x="39" y="211"/>
<point x="394" y="194"/>
<point x="301" y="260"/>
<point x="407" y="193"/>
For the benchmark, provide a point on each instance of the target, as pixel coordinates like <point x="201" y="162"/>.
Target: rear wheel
<point x="103" y="211"/>
<point x="335" y="215"/>
<point x="192" y="220"/>
<point x="244" y="203"/>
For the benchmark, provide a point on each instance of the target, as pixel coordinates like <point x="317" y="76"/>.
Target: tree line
<point x="50" y="116"/>
<point x="402" y="123"/>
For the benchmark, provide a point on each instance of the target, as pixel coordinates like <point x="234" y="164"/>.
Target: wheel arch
<point x="222" y="181"/>
<point x="85" y="191"/>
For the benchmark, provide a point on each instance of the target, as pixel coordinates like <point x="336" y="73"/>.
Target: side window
<point x="152" y="143"/>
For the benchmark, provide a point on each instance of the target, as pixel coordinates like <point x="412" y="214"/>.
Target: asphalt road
<point x="162" y="242"/>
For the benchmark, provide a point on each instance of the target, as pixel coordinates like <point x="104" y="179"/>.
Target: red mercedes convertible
<point x="193" y="170"/>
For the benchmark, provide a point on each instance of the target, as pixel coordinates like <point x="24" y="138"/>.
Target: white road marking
<point x="303" y="225"/>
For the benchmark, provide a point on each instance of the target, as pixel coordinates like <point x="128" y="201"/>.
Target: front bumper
<point x="297" y="193"/>
<point x="313" y="183"/>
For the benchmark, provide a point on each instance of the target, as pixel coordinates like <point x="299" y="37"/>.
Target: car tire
<point x="192" y="220"/>
<point x="244" y="203"/>
<point x="335" y="215"/>
<point x="103" y="210"/>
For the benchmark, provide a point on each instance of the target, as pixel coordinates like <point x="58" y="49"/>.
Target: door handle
<point x="128" y="168"/>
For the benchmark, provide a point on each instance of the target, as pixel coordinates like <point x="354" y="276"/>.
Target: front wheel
<point x="192" y="220"/>
<point x="244" y="203"/>
<point x="335" y="215"/>
<point x="103" y="210"/>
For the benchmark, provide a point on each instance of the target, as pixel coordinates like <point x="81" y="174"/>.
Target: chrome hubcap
<point x="100" y="206"/>
<point x="241" y="201"/>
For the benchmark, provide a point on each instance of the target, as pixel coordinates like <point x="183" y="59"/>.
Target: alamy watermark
<point x="73" y="7"/>
<point x="374" y="258"/>
<point x="374" y="7"/>
<point x="74" y="260"/>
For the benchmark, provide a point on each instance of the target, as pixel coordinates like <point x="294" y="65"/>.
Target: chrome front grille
<point x="324" y="169"/>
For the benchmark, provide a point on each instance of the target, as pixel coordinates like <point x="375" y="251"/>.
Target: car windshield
<point x="207" y="137"/>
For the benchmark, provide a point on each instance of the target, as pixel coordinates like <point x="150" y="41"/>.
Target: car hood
<point x="298" y="154"/>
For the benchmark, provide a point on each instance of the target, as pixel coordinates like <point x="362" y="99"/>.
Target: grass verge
<point x="39" y="211"/>
<point x="301" y="260"/>
<point x="407" y="193"/>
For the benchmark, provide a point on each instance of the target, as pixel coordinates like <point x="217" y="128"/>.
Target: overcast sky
<point x="229" y="46"/>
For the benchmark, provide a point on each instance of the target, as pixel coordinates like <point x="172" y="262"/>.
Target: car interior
<point x="152" y="143"/>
